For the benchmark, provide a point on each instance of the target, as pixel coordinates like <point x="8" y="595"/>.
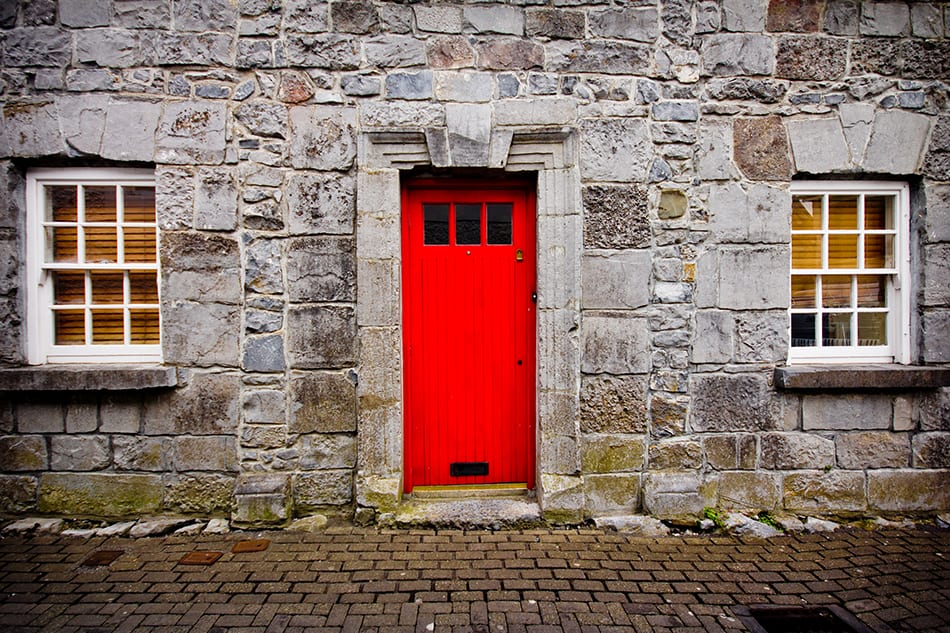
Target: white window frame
<point x="41" y="348"/>
<point x="898" y="289"/>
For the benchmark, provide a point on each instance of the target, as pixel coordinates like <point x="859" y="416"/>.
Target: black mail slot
<point x="468" y="469"/>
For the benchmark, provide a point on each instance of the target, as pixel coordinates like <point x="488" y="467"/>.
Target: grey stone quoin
<point x="663" y="137"/>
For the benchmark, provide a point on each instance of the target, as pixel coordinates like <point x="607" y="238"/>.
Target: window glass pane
<point x="64" y="243"/>
<point x="806" y="251"/>
<point x="107" y="287"/>
<point x="878" y="251"/>
<point x="499" y="223"/>
<point x="803" y="291"/>
<point x="70" y="327"/>
<point x="101" y="246"/>
<point x="872" y="291"/>
<point x="100" y="204"/>
<point x="139" y="204"/>
<point x="60" y="203"/>
<point x="806" y="213"/>
<point x="836" y="329"/>
<point x="468" y="224"/>
<point x="69" y="288"/>
<point x="843" y="212"/>
<point x="139" y="244"/>
<point x="143" y="287"/>
<point x="872" y="328"/>
<point x="108" y="327"/>
<point x="842" y="251"/>
<point x="836" y="291"/>
<point x="144" y="327"/>
<point x="803" y="330"/>
<point x="877" y="212"/>
<point x="435" y="223"/>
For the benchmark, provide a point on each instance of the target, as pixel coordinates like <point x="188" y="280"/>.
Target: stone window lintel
<point x="860" y="377"/>
<point x="88" y="378"/>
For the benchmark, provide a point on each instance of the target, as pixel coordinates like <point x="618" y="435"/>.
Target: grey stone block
<point x="109" y="48"/>
<point x="174" y="198"/>
<point x="713" y="337"/>
<point x="120" y="413"/>
<point x="599" y="56"/>
<point x="819" y="146"/>
<point x="634" y="23"/>
<point x="263" y="266"/>
<point x="816" y="492"/>
<point x="17" y="494"/>
<point x="322" y="137"/>
<point x="321" y="203"/>
<point x="84" y="13"/>
<point x="188" y="49"/>
<point x="82" y="415"/>
<point x="22" y="453"/>
<point x="264" y="354"/>
<point x="469" y="128"/>
<point x="714" y="154"/>
<point x="100" y="494"/>
<point x="897" y="143"/>
<point x="199" y="493"/>
<point x="841" y="17"/>
<point x="872" y="449"/>
<point x="305" y="16"/>
<point x="264" y="406"/>
<point x="395" y="51"/>
<point x="615" y="279"/>
<point x="354" y="17"/>
<point x="200" y="267"/>
<point x="558" y="350"/>
<point x="40" y="417"/>
<point x="889" y="19"/>
<point x="846" y="412"/>
<point x="39" y="46"/>
<point x="141" y="453"/>
<point x="908" y="490"/>
<point x="379" y="284"/>
<point x="31" y="130"/>
<point x="931" y="450"/>
<point x="261" y="322"/>
<point x="935" y="327"/>
<point x="207" y="452"/>
<point x="321" y="337"/>
<point x="754" y="278"/>
<point x="411" y="86"/>
<point x="675" y="454"/>
<point x="793" y="451"/>
<point x="936" y="274"/>
<point x="191" y="132"/>
<point x="321" y="269"/>
<point x="731" y="402"/>
<point x="325" y="488"/>
<point x="215" y="200"/>
<point x="675" y="495"/>
<point x="322" y="452"/>
<point x="613" y="404"/>
<point x="262" y="499"/>
<point x="360" y="85"/>
<point x="439" y="18"/>
<point x="743" y="15"/>
<point x="91" y="79"/>
<point x="494" y="19"/>
<point x="207" y="405"/>
<point x="731" y="54"/>
<point x="926" y="20"/>
<point x="675" y="111"/>
<point x="749" y="491"/>
<point x="398" y="114"/>
<point x="263" y="118"/>
<point x="615" y="217"/>
<point x="615" y="150"/>
<point x="615" y="343"/>
<point x="761" y="337"/>
<point x="612" y="494"/>
<point x="142" y="14"/>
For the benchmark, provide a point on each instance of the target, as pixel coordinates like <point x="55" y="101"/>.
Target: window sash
<point x="878" y="226"/>
<point x="110" y="311"/>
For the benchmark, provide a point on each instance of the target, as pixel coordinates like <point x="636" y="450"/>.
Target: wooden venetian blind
<point x="101" y="255"/>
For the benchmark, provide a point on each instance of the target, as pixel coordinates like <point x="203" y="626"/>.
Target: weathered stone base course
<point x="538" y="581"/>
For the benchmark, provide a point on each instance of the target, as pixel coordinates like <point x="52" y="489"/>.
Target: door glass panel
<point x="872" y="328"/>
<point x="803" y="330"/>
<point x="806" y="213"/>
<point x="499" y="223"/>
<point x="468" y="224"/>
<point x="836" y="329"/>
<point x="435" y="223"/>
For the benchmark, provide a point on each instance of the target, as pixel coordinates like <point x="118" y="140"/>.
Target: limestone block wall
<point x="664" y="134"/>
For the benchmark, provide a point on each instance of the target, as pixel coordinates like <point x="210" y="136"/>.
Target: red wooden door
<point x="469" y="333"/>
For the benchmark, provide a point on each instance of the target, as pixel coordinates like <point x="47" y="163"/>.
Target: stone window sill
<point x="88" y="378"/>
<point x="860" y="377"/>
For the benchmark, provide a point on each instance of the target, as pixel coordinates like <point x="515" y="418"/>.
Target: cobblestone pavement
<point x="355" y="579"/>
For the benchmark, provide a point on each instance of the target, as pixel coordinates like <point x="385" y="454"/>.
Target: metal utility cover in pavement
<point x="256" y="545"/>
<point x="102" y="557"/>
<point x="783" y="619"/>
<point x="200" y="558"/>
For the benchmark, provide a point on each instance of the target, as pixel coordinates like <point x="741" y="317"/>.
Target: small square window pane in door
<point x="435" y="218"/>
<point x="499" y="223"/>
<point x="468" y="224"/>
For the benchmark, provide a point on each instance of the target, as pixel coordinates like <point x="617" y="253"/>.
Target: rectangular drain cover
<point x="783" y="619"/>
<point x="468" y="469"/>
<point x="102" y="557"/>
<point x="200" y="558"/>
<point x="256" y="545"/>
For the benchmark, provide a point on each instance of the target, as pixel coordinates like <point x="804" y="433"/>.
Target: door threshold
<point x="469" y="491"/>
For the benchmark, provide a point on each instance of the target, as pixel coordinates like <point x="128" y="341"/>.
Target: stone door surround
<point x="386" y="154"/>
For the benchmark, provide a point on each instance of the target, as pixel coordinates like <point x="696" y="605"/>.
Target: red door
<point x="469" y="333"/>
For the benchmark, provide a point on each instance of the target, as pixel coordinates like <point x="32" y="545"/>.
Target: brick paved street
<point x="355" y="579"/>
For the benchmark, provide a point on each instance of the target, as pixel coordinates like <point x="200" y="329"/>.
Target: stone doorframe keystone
<point x="551" y="153"/>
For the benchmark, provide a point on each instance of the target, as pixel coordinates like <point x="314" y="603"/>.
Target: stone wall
<point x="664" y="135"/>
